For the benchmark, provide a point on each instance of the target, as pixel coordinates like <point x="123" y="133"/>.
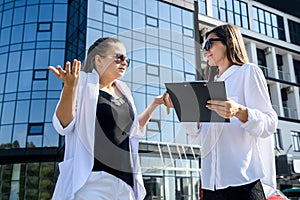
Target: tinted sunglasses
<point x="208" y="43"/>
<point x="119" y="58"/>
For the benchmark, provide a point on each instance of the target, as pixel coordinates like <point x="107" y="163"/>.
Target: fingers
<point x="56" y="71"/>
<point x="224" y="108"/>
<point x="76" y="67"/>
<point x="68" y="67"/>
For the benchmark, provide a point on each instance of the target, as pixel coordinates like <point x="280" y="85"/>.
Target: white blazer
<point x="79" y="145"/>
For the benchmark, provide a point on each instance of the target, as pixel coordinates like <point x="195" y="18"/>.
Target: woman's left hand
<point x="225" y="109"/>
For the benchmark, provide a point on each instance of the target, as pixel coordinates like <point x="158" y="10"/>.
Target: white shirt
<point x="236" y="153"/>
<point x="79" y="140"/>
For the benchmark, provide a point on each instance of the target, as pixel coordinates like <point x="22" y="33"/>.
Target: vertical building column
<point x="271" y="62"/>
<point x="251" y="51"/>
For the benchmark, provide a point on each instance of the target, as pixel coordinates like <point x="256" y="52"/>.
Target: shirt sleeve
<point x="60" y="129"/>
<point x="262" y="119"/>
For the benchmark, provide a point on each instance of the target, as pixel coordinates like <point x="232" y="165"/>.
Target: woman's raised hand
<point x="70" y="75"/>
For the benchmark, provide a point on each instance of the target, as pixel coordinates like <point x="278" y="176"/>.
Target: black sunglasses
<point x="119" y="58"/>
<point x="208" y="43"/>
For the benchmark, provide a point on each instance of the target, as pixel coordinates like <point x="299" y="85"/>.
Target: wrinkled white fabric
<point x="236" y="153"/>
<point x="104" y="186"/>
<point x="79" y="140"/>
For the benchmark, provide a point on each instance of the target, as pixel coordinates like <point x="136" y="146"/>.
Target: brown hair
<point x="99" y="47"/>
<point x="236" y="51"/>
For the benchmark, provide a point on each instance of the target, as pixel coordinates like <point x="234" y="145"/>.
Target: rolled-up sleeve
<point x="60" y="129"/>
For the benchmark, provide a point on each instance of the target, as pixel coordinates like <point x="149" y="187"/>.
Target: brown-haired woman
<point x="237" y="160"/>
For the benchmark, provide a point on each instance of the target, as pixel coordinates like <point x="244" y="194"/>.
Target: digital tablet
<point x="190" y="99"/>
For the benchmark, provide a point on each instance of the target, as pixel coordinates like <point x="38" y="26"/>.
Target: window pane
<point x="19" y="136"/>
<point x="164" y="11"/>
<point x="25" y="80"/>
<point x="7" y="18"/>
<point x="19" y="15"/>
<point x="139" y="6"/>
<point x="60" y="13"/>
<point x="176" y="15"/>
<point x="152" y="8"/>
<point x="125" y="18"/>
<point x="188" y="19"/>
<point x="16" y="35"/>
<point x="51" y="138"/>
<point x="31" y="13"/>
<point x="11" y="82"/>
<point x="37" y="110"/>
<point x="5" y="136"/>
<point x="22" y="112"/>
<point x="8" y="113"/>
<point x="45" y="13"/>
<point x="14" y="61"/>
<point x="30" y="32"/>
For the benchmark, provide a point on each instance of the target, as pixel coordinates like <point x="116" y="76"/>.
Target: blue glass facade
<point x="160" y="40"/>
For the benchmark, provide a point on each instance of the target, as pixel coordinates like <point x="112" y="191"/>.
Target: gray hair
<point x="99" y="47"/>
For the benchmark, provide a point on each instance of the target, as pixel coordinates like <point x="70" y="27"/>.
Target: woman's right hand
<point x="69" y="76"/>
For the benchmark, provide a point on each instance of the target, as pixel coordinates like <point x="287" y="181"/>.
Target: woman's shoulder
<point x="251" y="67"/>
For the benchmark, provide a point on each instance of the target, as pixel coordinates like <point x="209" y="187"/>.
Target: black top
<point x="113" y="123"/>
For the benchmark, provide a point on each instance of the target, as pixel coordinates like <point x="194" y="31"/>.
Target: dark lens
<point x="121" y="58"/>
<point x="207" y="45"/>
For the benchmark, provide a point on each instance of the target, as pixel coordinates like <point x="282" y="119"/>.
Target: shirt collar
<point x="227" y="73"/>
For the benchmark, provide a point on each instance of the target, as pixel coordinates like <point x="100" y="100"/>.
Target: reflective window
<point x="7" y="18"/>
<point x="152" y="8"/>
<point x="60" y="13"/>
<point x="19" y="136"/>
<point x="111" y="9"/>
<point x="152" y="22"/>
<point x="30" y="31"/>
<point x="5" y="36"/>
<point x="164" y="11"/>
<point x="41" y="59"/>
<point x="44" y="26"/>
<point x="19" y="14"/>
<point x="2" y="83"/>
<point x="294" y="30"/>
<point x="5" y="136"/>
<point x="35" y="129"/>
<point x="9" y="112"/>
<point x="16" y="35"/>
<point x="139" y="6"/>
<point x="14" y="61"/>
<point x="3" y="58"/>
<point x="51" y="137"/>
<point x="268" y="23"/>
<point x="11" y="82"/>
<point x="31" y="13"/>
<point x="232" y="11"/>
<point x="40" y="74"/>
<point x="202" y="7"/>
<point x="22" y="112"/>
<point x="125" y="18"/>
<point x="37" y="110"/>
<point x="45" y="13"/>
<point x="176" y="15"/>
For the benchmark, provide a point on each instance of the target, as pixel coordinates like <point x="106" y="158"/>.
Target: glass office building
<point x="159" y="38"/>
<point x="162" y="38"/>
